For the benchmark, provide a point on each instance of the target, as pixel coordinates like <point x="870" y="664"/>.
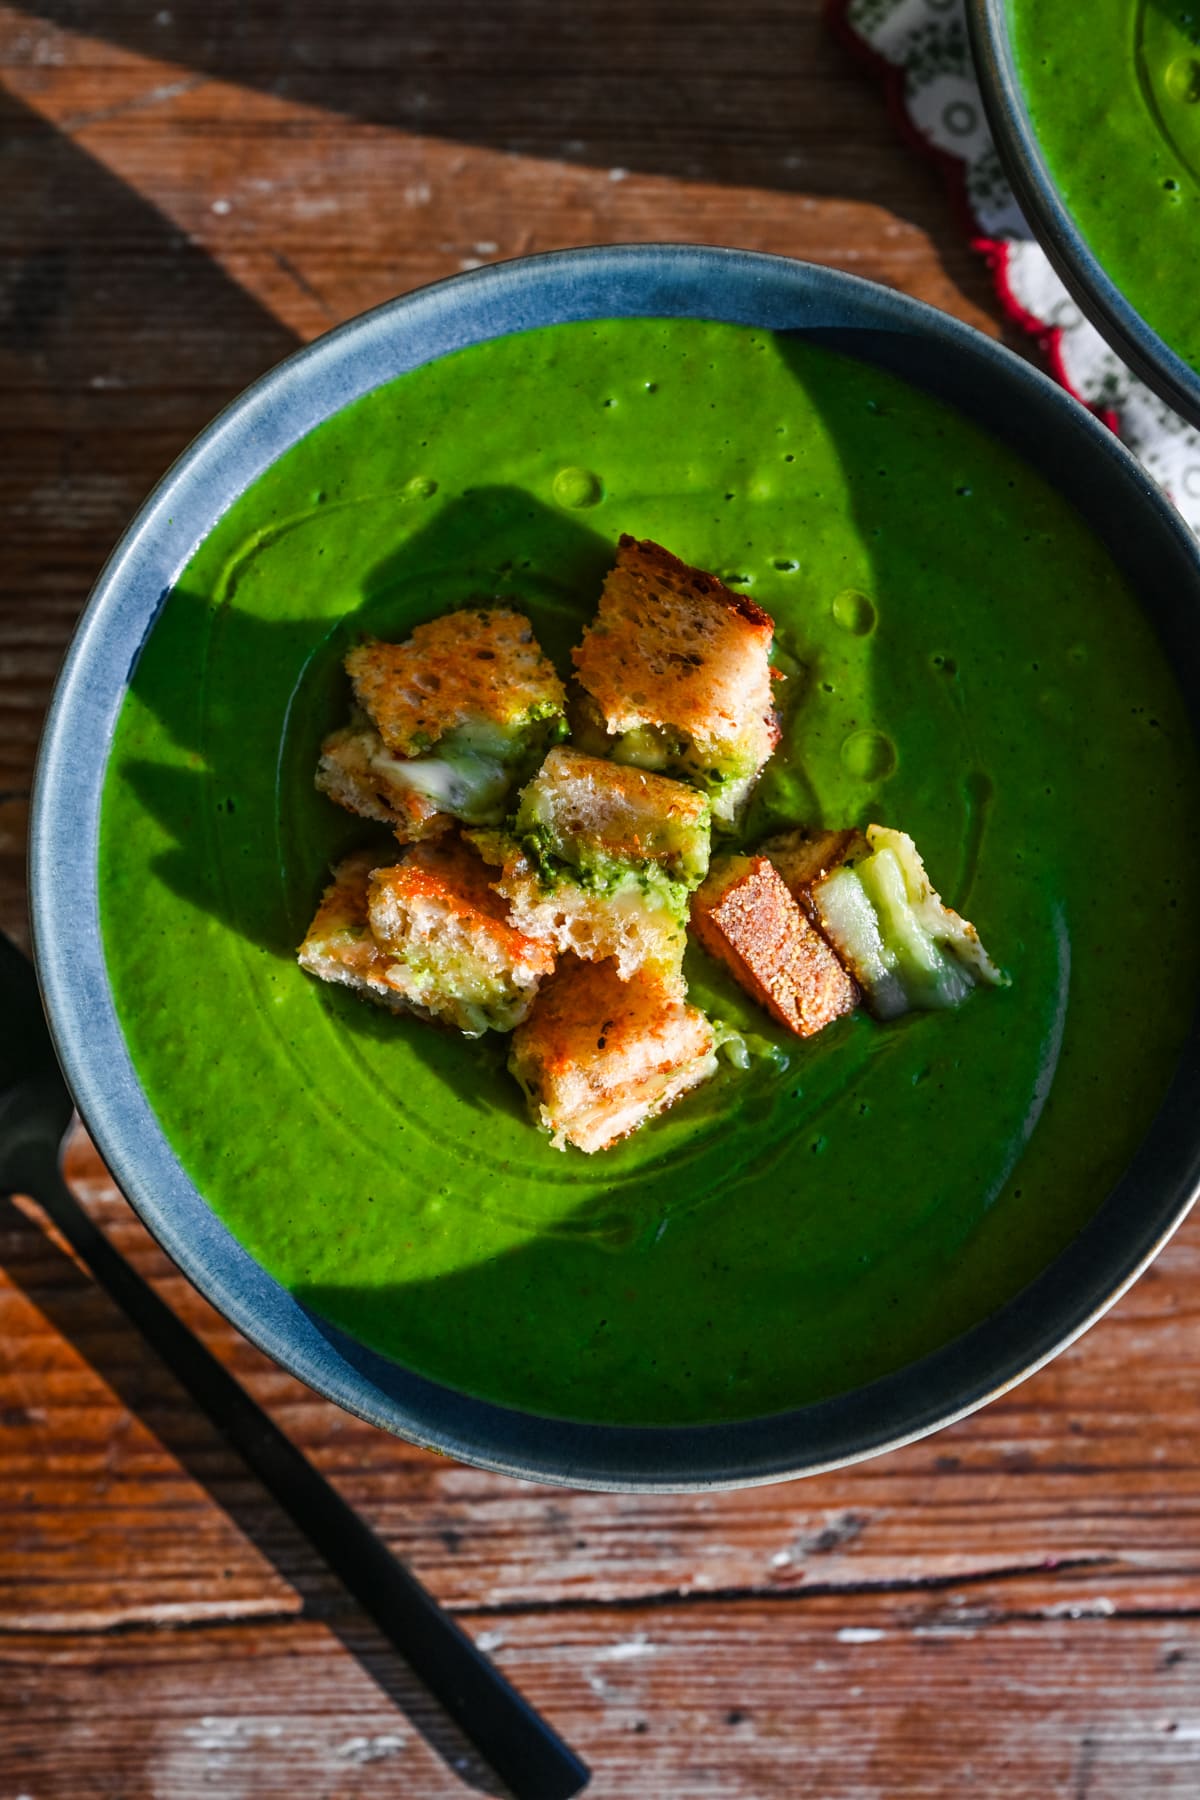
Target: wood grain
<point x="843" y="1697"/>
<point x="1011" y="1606"/>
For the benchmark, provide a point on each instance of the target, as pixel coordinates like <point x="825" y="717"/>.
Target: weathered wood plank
<point x="844" y="1700"/>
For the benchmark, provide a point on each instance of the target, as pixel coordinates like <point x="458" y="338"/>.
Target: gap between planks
<point x="683" y="1600"/>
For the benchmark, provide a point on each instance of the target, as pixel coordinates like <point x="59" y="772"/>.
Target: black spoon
<point x="35" y="1110"/>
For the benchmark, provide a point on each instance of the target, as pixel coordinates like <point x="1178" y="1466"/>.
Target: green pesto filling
<point x="681" y="850"/>
<point x="598" y="873"/>
<point x="665" y="750"/>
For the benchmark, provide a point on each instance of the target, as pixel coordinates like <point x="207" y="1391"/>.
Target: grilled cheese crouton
<point x="676" y="675"/>
<point x="455" y="955"/>
<point x="600" y="859"/>
<point x="907" y="948"/>
<point x="359" y="772"/>
<point x="339" y="945"/>
<point x="427" y="936"/>
<point x="587" y="811"/>
<point x="599" y="1055"/>
<point x="874" y="901"/>
<point x="479" y="666"/>
<point x="450" y="722"/>
<point x="745" y="916"/>
<point x="637" y="916"/>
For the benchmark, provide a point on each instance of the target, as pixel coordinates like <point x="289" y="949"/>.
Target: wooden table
<point x="1008" y="1609"/>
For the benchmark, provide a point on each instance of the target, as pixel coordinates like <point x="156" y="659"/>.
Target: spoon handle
<point x="531" y="1758"/>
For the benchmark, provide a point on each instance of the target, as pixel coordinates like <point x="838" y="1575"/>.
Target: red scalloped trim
<point x="1049" y="338"/>
<point x="995" y="251"/>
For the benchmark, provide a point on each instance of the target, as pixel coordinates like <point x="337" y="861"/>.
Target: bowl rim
<point x="1103" y="303"/>
<point x="657" y="280"/>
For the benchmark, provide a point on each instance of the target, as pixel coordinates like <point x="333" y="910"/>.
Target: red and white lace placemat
<point x="921" y="50"/>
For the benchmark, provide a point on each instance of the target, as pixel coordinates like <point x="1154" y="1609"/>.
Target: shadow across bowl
<point x="947" y="359"/>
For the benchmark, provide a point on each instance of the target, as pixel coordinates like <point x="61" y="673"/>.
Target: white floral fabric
<point x="921" y="47"/>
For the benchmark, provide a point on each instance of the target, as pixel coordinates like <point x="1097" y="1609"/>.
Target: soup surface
<point x="962" y="661"/>
<point x="1113" y="90"/>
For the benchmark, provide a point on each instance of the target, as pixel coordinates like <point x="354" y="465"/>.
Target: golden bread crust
<point x="745" y="917"/>
<point x="624" y="923"/>
<point x="353" y="773"/>
<point x="480" y="663"/>
<point x="451" y="875"/>
<point x="339" y="945"/>
<point x="671" y="645"/>
<point x="428" y="936"/>
<point x="627" y="813"/>
<point x="599" y="1056"/>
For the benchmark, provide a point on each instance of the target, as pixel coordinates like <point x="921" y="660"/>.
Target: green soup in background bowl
<point x="1096" y="114"/>
<point x="984" y="616"/>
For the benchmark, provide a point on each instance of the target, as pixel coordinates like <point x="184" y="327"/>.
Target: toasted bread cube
<point x="427" y="936"/>
<point x="340" y="946"/>
<point x="450" y="723"/>
<point x="675" y="668"/>
<point x="479" y="667"/>
<point x="636" y="916"/>
<point x="907" y="949"/>
<point x="587" y="812"/>
<point x="873" y="901"/>
<point x="359" y="772"/>
<point x="598" y="1056"/>
<point x="454" y="954"/>
<point x="804" y="860"/>
<point x="745" y="916"/>
<point x="600" y="860"/>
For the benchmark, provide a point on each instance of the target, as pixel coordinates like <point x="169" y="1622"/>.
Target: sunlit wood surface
<point x="1006" y="1610"/>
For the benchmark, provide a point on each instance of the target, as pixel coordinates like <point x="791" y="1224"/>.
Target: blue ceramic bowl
<point x="1147" y="354"/>
<point x="987" y="383"/>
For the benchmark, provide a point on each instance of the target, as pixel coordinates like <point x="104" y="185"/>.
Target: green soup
<point x="962" y="660"/>
<point x="1113" y="91"/>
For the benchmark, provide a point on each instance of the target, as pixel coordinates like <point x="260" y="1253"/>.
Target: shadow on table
<point x="119" y="339"/>
<point x="94" y="1326"/>
<point x="756" y="95"/>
